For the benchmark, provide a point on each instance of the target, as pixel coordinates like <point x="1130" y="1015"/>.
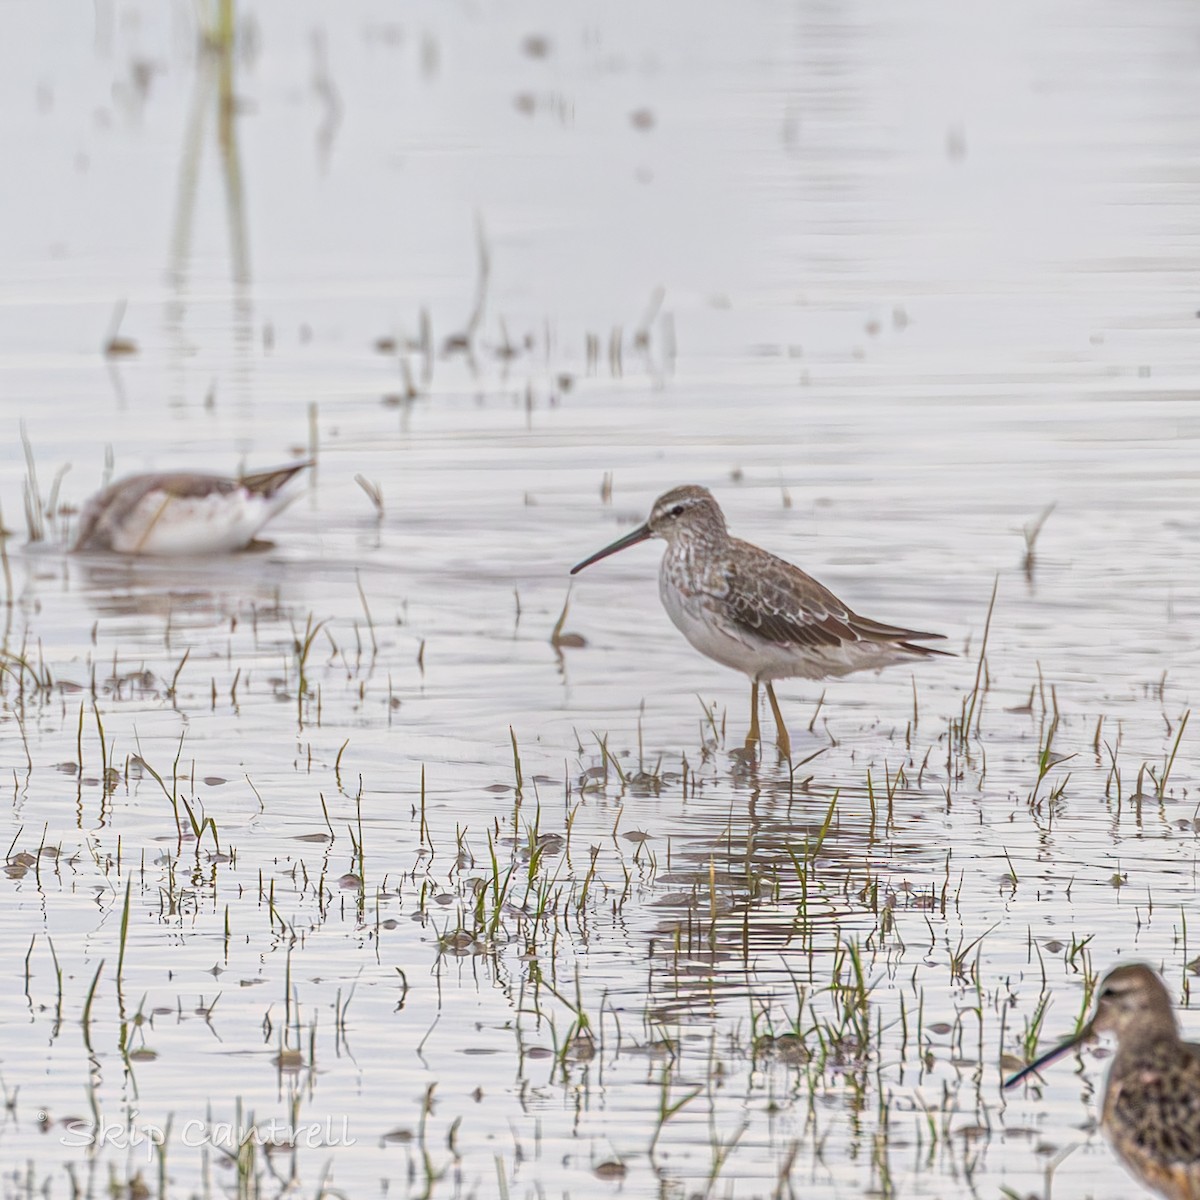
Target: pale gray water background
<point x="926" y="271"/>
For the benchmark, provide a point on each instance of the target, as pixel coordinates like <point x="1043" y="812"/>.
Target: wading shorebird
<point x="754" y="612"/>
<point x="183" y="512"/>
<point x="1151" y="1111"/>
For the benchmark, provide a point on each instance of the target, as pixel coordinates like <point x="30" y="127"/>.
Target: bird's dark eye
<point x="677" y="511"/>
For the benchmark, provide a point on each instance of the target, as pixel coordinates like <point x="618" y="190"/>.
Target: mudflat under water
<point x="473" y="914"/>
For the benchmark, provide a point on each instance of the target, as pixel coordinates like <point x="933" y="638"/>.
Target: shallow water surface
<point x="329" y="869"/>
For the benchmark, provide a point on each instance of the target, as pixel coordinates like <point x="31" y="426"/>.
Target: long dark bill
<point x="1050" y="1056"/>
<point x="640" y="534"/>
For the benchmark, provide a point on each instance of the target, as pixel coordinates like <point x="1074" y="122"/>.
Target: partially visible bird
<point x="183" y="512"/>
<point x="1151" y="1111"/>
<point x="754" y="612"/>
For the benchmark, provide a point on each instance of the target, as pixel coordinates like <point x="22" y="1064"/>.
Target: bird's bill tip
<point x="640" y="534"/>
<point x="1050" y="1056"/>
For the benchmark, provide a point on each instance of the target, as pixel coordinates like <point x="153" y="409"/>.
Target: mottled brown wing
<point x="1152" y="1117"/>
<point x="772" y="599"/>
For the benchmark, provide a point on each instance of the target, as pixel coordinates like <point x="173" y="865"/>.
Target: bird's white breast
<point x="697" y="616"/>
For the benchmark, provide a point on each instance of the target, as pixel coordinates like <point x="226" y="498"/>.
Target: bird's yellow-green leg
<point x="782" y="740"/>
<point x="752" y="738"/>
